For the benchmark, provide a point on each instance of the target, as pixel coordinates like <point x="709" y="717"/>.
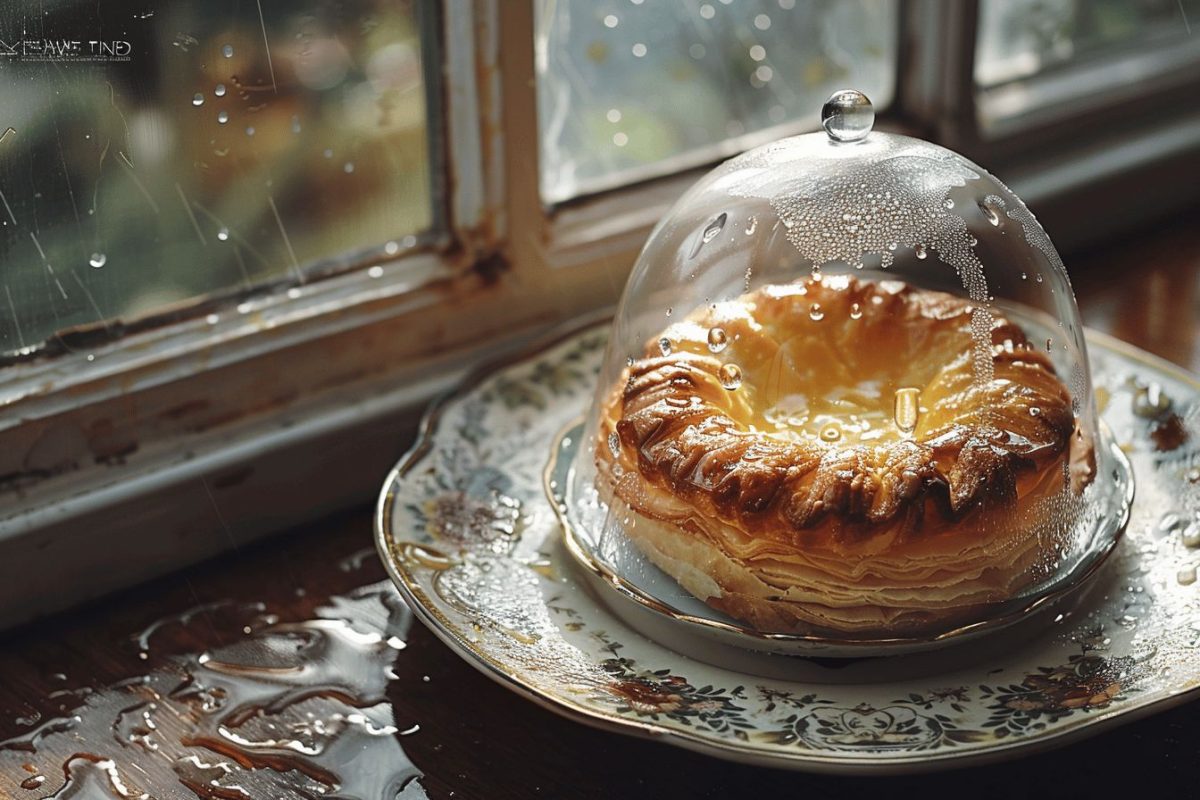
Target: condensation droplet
<point x="919" y="250"/>
<point x="668" y="311"/>
<point x="249" y="130"/>
<point x="990" y="212"/>
<point x="1038" y="277"/>
<point x="855" y="311"/>
<point x="222" y="117"/>
<point x="223" y="234"/>
<point x="1024" y="277"/>
<point x="947" y="204"/>
<point x="197" y="99"/>
<point x="717" y="339"/>
<point x="1035" y="411"/>
<point x="227" y="51"/>
<point x="98" y="260"/>
<point x="907" y="408"/>
<point x="664" y="346"/>
<point x="1191" y="535"/>
<point x="348" y="167"/>
<point x="847" y="116"/>
<point x="1049" y="345"/>
<point x="815" y="313"/>
<point x="730" y="376"/>
<point x="710" y="232"/>
<point x="219" y="91"/>
<point x="751" y="226"/>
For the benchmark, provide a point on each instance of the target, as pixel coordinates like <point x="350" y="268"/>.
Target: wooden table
<point x="303" y="639"/>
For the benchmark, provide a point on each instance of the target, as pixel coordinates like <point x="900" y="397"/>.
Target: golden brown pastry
<point x="829" y="455"/>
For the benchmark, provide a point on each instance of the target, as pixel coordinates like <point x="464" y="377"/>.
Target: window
<point x="241" y="245"/>
<point x="727" y="76"/>
<point x="1040" y="61"/>
<point x="161" y="152"/>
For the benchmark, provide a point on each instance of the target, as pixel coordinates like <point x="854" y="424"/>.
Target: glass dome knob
<point x="847" y="116"/>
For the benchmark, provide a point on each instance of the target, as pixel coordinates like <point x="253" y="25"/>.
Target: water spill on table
<point x="294" y="709"/>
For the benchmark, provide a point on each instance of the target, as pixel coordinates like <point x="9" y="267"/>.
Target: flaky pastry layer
<point x="877" y="529"/>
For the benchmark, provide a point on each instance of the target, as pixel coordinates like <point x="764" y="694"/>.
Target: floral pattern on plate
<point x="473" y="544"/>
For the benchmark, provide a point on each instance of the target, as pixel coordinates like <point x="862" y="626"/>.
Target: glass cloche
<point x="846" y="398"/>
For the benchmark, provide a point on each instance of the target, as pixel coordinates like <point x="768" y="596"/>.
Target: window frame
<point x="197" y="425"/>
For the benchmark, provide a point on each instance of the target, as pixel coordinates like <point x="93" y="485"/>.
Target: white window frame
<point x="216" y="424"/>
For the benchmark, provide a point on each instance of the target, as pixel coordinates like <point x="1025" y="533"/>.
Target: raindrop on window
<point x="223" y="234"/>
<point x="227" y="51"/>
<point x="220" y="90"/>
<point x="98" y="260"/>
<point x="222" y="117"/>
<point x="197" y="99"/>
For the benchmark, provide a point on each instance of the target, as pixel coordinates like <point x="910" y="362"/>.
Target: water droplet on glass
<point x="391" y="248"/>
<point x="1035" y="412"/>
<point x="664" y="346"/>
<point x="1024" y="277"/>
<point x="1191" y="535"/>
<point x="710" y="232"/>
<point x="223" y="234"/>
<point x="815" y="313"/>
<point x="990" y="212"/>
<point x="98" y="260"/>
<point x="1049" y="345"/>
<point x="222" y="117"/>
<point x="629" y="361"/>
<point x="219" y="91"/>
<point x="947" y="204"/>
<point x="348" y="167"/>
<point x="971" y="240"/>
<point x="668" y="311"/>
<point x="751" y="226"/>
<point x="227" y="51"/>
<point x="907" y="409"/>
<point x="197" y="99"/>
<point x="717" y="339"/>
<point x="614" y="445"/>
<point x="1038" y="277"/>
<point x="855" y="311"/>
<point x="730" y="376"/>
<point x="249" y="130"/>
<point x="919" y="250"/>
<point x="212" y="319"/>
<point x="847" y="116"/>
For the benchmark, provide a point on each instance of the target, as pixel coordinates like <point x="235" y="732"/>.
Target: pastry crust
<point x="795" y="501"/>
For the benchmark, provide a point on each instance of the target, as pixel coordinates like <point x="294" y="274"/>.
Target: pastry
<point x="844" y="455"/>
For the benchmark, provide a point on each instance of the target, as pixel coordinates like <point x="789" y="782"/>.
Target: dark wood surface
<point x="300" y="640"/>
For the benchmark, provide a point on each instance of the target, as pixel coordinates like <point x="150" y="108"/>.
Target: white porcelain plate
<point x="469" y="537"/>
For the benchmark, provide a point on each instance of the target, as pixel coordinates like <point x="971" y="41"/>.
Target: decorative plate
<point x="468" y="535"/>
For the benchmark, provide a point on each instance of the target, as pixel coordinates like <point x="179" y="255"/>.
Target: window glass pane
<point x="159" y="150"/>
<point x="1021" y="38"/>
<point x="628" y="89"/>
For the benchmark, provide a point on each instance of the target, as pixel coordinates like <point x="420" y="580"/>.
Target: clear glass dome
<point x="846" y="394"/>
